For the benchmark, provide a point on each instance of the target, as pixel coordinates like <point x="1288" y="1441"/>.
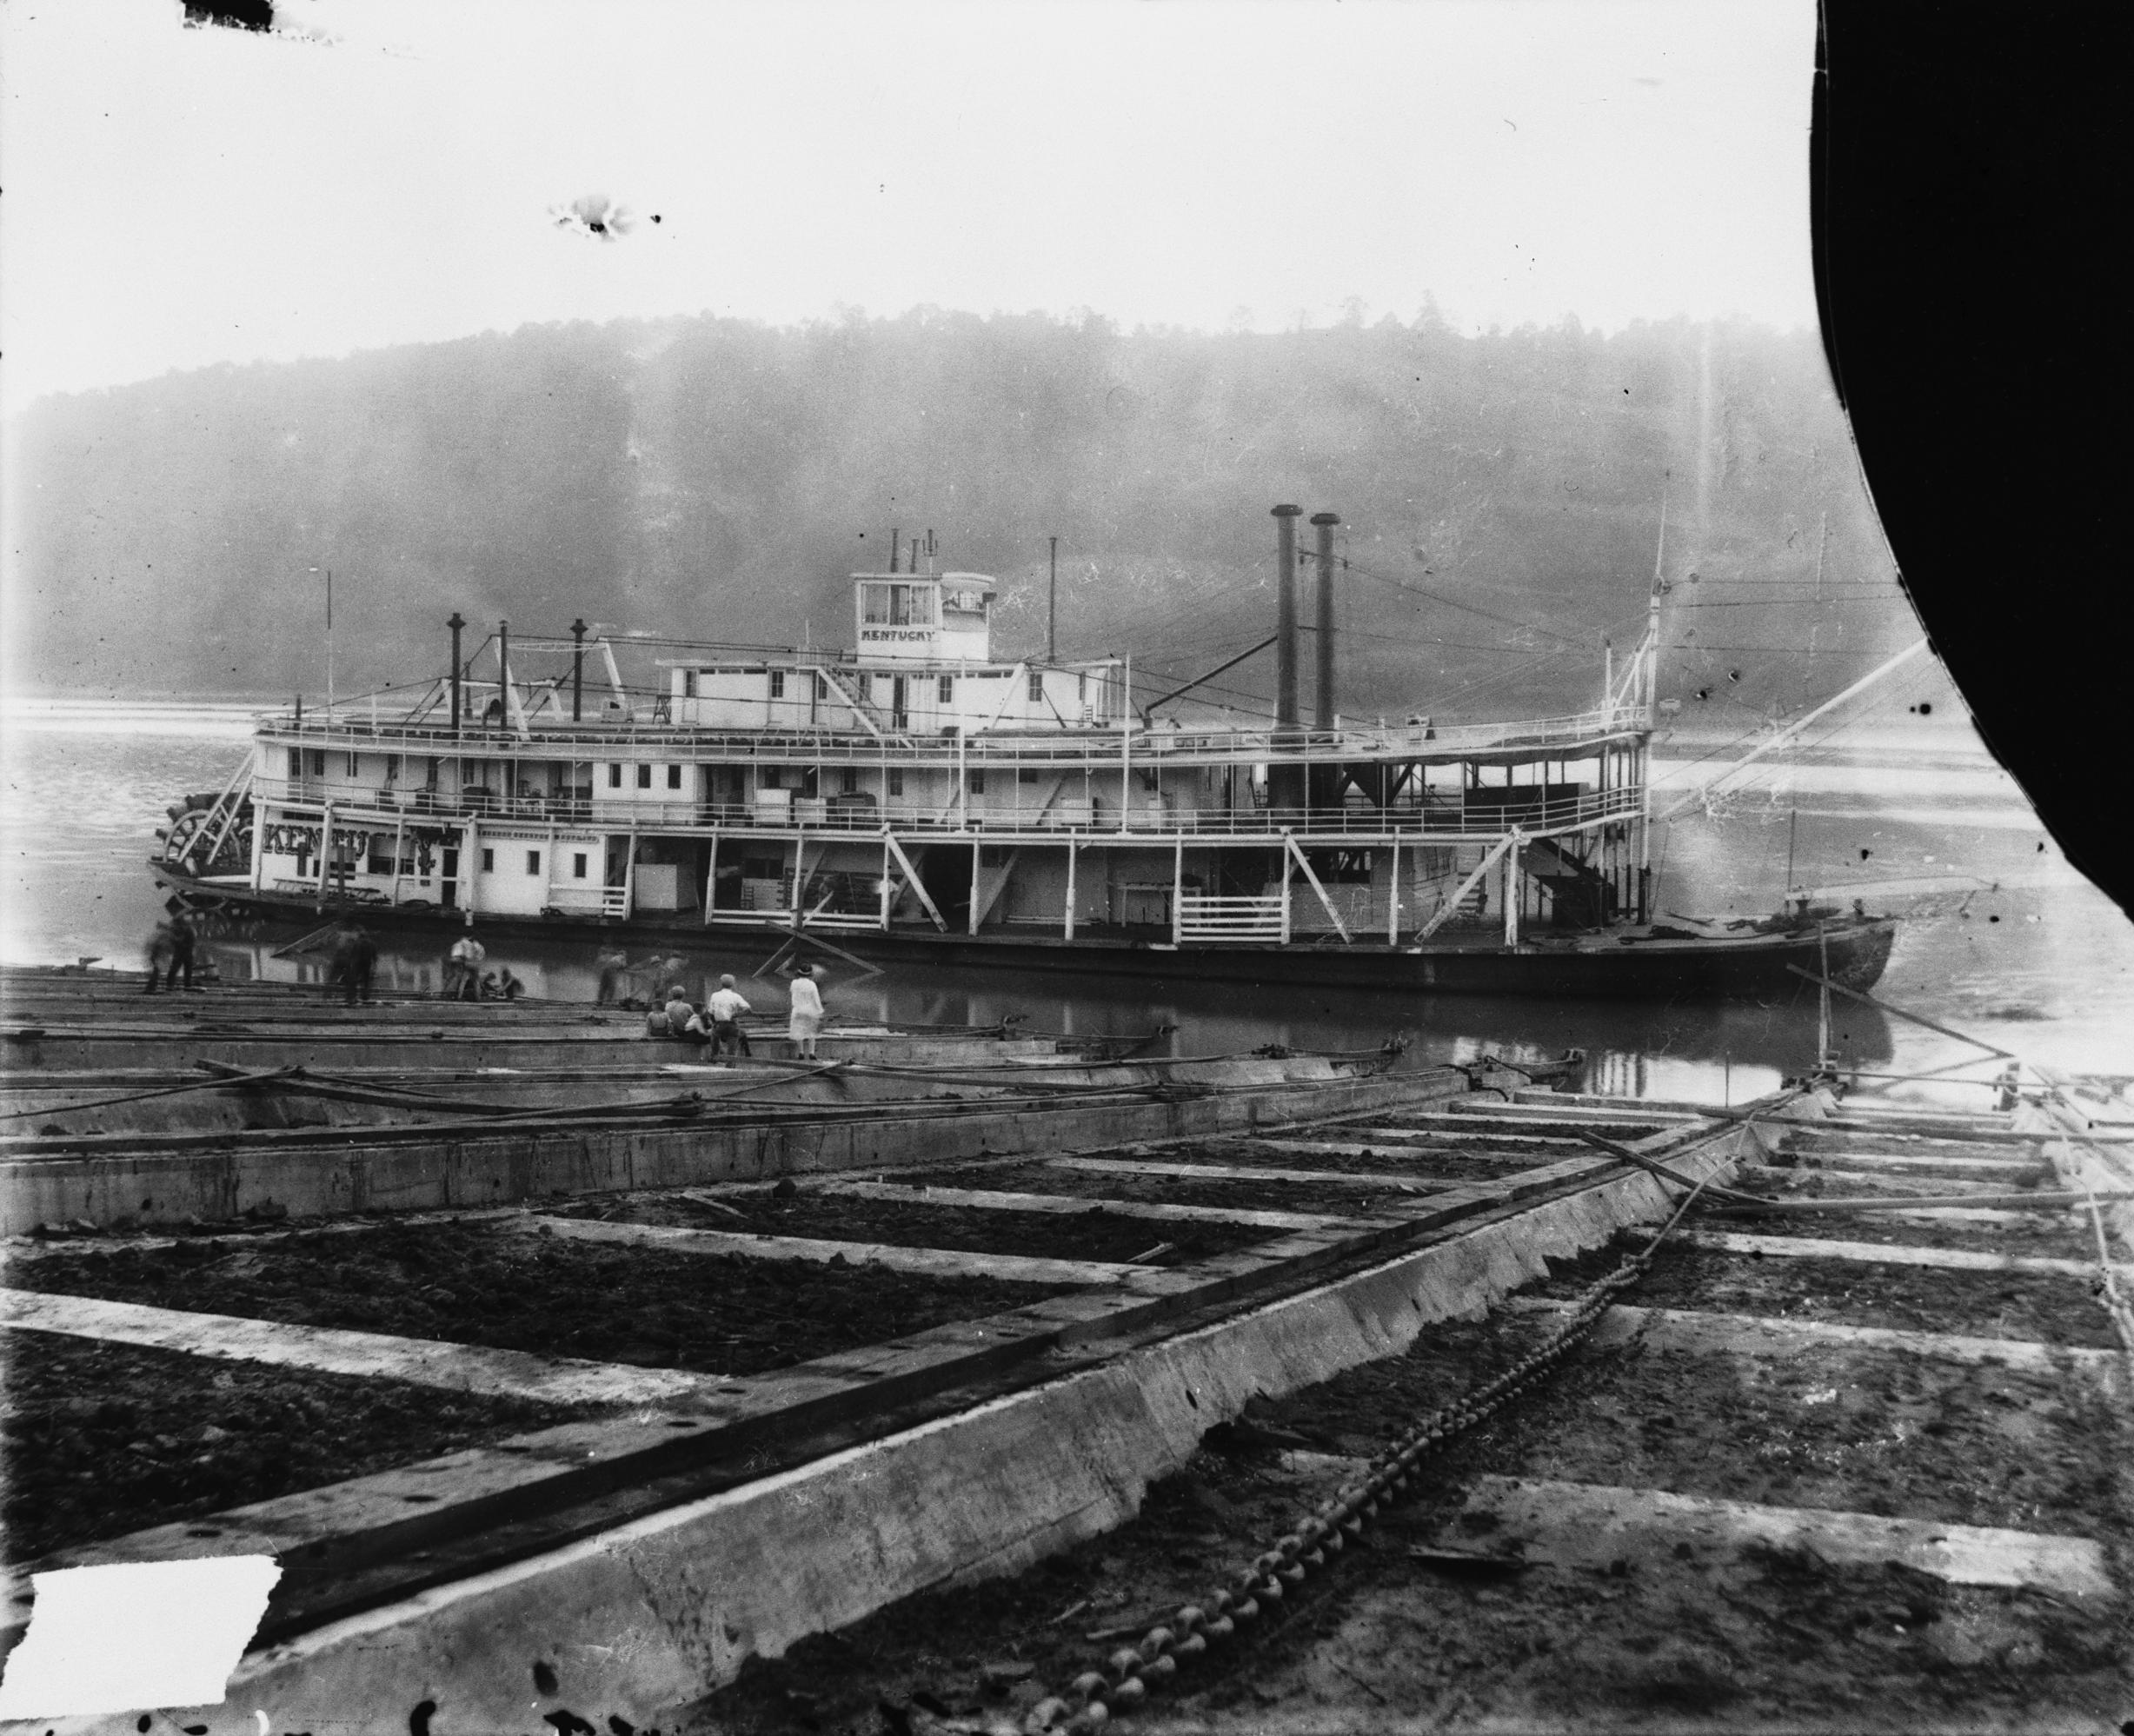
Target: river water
<point x="2003" y="939"/>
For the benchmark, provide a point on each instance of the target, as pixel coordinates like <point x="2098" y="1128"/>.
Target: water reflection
<point x="1699" y="1053"/>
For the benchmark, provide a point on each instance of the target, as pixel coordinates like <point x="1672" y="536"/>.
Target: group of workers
<point x="352" y="957"/>
<point x="465" y="980"/>
<point x="717" y="1023"/>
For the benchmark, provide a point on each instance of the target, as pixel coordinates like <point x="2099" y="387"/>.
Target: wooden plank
<point x="1217" y="1172"/>
<point x="1958" y="1168"/>
<point x="1565" y="1137"/>
<point x="931" y="1263"/>
<point x="422" y="1362"/>
<point x="1583" y="1525"/>
<point x="990" y="1200"/>
<point x="1703" y="1333"/>
<point x="1880" y="1253"/>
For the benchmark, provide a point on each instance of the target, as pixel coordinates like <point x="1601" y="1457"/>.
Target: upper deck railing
<point x="1438" y="816"/>
<point x="1094" y="746"/>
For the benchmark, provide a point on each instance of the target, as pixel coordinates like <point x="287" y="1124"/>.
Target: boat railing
<point x="1093" y="745"/>
<point x="1437" y="814"/>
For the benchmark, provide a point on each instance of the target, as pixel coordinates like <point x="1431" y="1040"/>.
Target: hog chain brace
<point x="1133" y="1670"/>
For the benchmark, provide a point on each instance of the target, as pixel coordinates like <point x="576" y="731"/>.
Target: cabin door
<point x="448" y="881"/>
<point x="899" y="688"/>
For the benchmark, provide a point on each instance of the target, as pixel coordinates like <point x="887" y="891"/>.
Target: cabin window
<point x="688" y="683"/>
<point x="577" y="865"/>
<point x="615" y="776"/>
<point x="352" y="765"/>
<point x="674" y="777"/>
<point x="778" y="683"/>
<point x="849" y="781"/>
<point x="897" y="780"/>
<point x="429" y="774"/>
<point x="318" y="762"/>
<point x="644" y="777"/>
<point x="892" y="605"/>
<point x="489" y="860"/>
<point x="392" y="769"/>
<point x="977" y="781"/>
<point x="822" y="687"/>
<point x="533" y="861"/>
<point x="1037" y="684"/>
<point x="769" y="780"/>
<point x="1082" y="690"/>
<point x="948" y="690"/>
<point x="296" y="761"/>
<point x="1027" y="775"/>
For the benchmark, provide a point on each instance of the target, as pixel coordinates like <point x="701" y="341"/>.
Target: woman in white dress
<point x="806" y="1018"/>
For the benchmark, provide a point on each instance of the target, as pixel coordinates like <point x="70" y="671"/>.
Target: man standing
<point x="724" y="1009"/>
<point x="463" y="969"/>
<point x="183" y="943"/>
<point x="356" y="957"/>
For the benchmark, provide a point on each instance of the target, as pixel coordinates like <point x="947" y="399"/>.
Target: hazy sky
<point x="384" y="171"/>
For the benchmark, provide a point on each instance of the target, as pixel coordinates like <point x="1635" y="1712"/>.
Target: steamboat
<point x="919" y="796"/>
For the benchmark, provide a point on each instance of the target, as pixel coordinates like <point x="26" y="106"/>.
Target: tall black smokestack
<point x="1285" y="713"/>
<point x="1325" y="522"/>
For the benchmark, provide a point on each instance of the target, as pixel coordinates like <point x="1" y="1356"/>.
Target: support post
<point x="1178" y="889"/>
<point x="470" y="874"/>
<point x="1512" y="888"/>
<point x="1288" y="867"/>
<point x="326" y="851"/>
<point x="882" y="919"/>
<point x="1325" y="903"/>
<point x="1125" y="751"/>
<point x="977" y="856"/>
<point x="1393" y="899"/>
<point x="399" y="832"/>
<point x="711" y="879"/>
<point x="912" y="878"/>
<point x="1444" y="912"/>
<point x="800" y="864"/>
<point x="1073" y="852"/>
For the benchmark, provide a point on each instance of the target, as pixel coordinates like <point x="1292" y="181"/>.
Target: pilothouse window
<point x="889" y="605"/>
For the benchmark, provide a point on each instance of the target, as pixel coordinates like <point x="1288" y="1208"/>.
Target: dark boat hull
<point x="1759" y="966"/>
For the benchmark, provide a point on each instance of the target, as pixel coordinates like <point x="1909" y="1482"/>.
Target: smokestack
<point x="1325" y="522"/>
<point x="896" y="545"/>
<point x="577" y="668"/>
<point x="1285" y="714"/>
<point x="456" y="623"/>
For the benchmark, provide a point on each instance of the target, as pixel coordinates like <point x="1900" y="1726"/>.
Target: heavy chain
<point x="1132" y="1670"/>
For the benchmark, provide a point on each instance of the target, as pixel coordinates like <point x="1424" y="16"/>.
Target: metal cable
<point x="1133" y="1670"/>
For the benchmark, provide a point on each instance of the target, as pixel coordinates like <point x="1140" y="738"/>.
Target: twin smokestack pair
<point x="1285" y="714"/>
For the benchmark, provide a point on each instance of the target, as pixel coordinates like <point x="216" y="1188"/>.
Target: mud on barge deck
<point x="918" y="1443"/>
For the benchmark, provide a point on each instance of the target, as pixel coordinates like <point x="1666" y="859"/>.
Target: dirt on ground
<point x="2047" y="1308"/>
<point x="104" y="1438"/>
<point x="1758" y="1639"/>
<point x="1091" y="1234"/>
<point x="483" y="1284"/>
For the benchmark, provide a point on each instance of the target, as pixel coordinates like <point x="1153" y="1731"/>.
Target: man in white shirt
<point x="463" y="969"/>
<point x="724" y="1010"/>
